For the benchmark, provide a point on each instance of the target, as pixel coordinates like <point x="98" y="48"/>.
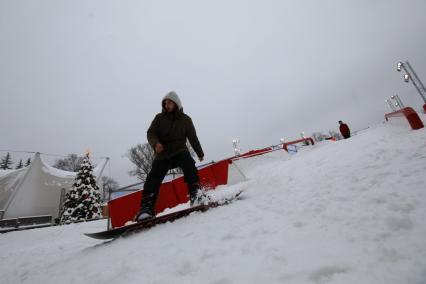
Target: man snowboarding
<point x="344" y="130"/>
<point x="168" y="134"/>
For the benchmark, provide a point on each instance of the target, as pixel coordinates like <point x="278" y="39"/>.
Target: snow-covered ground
<point x="352" y="211"/>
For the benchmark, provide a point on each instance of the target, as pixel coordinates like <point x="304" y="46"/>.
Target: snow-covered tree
<point x="83" y="201"/>
<point x="28" y="162"/>
<point x="6" y="161"/>
<point x="20" y="165"/>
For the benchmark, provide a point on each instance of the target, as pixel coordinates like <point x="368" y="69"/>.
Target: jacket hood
<point x="174" y="98"/>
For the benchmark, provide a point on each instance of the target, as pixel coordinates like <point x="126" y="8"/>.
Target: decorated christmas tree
<point x="83" y="201"/>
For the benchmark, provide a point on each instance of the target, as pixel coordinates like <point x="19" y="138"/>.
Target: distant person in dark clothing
<point x="344" y="130"/>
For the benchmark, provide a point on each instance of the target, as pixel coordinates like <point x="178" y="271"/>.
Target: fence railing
<point x="306" y="140"/>
<point x="26" y="221"/>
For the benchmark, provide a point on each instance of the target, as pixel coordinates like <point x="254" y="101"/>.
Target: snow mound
<point x="350" y="211"/>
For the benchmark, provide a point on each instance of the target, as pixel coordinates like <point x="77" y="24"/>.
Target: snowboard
<point x="151" y="222"/>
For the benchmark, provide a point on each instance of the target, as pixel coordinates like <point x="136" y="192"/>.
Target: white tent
<point x="36" y="190"/>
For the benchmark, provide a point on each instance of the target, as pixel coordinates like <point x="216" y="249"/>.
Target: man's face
<point x="169" y="105"/>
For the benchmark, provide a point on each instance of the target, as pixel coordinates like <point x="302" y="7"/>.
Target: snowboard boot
<point x="197" y="196"/>
<point x="142" y="216"/>
<point x="146" y="210"/>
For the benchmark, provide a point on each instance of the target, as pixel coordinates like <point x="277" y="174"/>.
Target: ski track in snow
<point x="351" y="211"/>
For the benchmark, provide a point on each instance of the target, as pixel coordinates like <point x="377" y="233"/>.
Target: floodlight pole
<point x="237" y="150"/>
<point x="398" y="101"/>
<point x="414" y="79"/>
<point x="391" y="105"/>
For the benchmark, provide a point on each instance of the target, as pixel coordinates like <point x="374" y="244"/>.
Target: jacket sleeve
<point x="193" y="139"/>
<point x="151" y="134"/>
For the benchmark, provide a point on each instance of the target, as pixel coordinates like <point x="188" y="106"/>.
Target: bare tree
<point x="71" y="163"/>
<point x="109" y="185"/>
<point x="142" y="156"/>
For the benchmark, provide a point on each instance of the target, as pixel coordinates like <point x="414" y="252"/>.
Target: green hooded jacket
<point x="172" y="131"/>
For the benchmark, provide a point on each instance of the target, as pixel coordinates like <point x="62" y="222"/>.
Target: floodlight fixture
<point x="411" y="75"/>
<point x="406" y="78"/>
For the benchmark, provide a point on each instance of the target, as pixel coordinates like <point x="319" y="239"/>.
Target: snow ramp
<point x="351" y="211"/>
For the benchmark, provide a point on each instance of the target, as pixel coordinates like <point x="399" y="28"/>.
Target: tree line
<point x="6" y="163"/>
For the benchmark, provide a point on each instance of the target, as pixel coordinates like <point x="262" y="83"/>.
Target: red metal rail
<point x="410" y="114"/>
<point x="308" y="140"/>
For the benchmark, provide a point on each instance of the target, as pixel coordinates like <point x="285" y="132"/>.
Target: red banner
<point x="171" y="194"/>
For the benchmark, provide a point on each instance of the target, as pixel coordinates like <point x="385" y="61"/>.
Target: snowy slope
<point x="351" y="211"/>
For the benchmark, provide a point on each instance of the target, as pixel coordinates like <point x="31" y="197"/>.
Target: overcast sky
<point x="91" y="74"/>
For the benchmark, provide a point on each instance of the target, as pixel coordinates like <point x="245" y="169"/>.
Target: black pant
<point x="158" y="172"/>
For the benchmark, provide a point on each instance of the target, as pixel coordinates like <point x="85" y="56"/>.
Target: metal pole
<point x="398" y="99"/>
<point x="102" y="169"/>
<point x="396" y="104"/>
<point x="237" y="151"/>
<point x="391" y="105"/>
<point x="413" y="77"/>
<point x="421" y="89"/>
<point x="109" y="217"/>
<point x="61" y="203"/>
